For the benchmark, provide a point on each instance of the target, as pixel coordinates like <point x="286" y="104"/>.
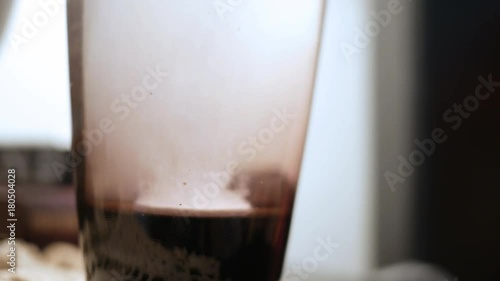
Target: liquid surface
<point x="128" y="244"/>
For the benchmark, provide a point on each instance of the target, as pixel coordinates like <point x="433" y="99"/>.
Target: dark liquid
<point x="126" y="244"/>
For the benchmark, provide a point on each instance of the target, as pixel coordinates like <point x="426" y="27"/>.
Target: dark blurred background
<point x="458" y="208"/>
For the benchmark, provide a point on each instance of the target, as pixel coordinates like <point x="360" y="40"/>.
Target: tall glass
<point x="189" y="126"/>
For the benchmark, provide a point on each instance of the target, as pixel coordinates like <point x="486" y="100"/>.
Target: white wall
<point x="34" y="84"/>
<point x="337" y="181"/>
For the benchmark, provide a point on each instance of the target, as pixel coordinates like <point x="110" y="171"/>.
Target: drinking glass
<point x="189" y="122"/>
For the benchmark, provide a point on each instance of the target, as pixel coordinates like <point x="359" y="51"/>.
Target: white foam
<point x="226" y="201"/>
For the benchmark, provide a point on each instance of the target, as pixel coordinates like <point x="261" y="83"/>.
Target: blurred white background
<point x="34" y="81"/>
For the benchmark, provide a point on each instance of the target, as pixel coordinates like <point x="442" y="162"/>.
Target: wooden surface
<point x="45" y="213"/>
